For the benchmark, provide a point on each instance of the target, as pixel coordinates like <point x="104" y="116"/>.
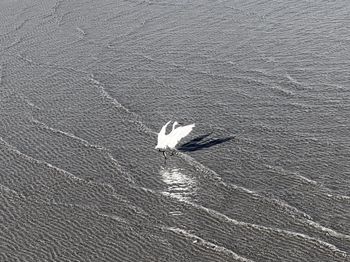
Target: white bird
<point x="170" y="140"/>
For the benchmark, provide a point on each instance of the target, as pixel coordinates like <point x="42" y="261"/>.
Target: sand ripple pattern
<point x="86" y="85"/>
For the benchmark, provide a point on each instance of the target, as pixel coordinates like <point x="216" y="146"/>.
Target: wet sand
<point x="86" y="86"/>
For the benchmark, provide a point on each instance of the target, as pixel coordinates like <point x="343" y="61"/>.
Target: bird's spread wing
<point x="162" y="137"/>
<point x="162" y="131"/>
<point x="178" y="134"/>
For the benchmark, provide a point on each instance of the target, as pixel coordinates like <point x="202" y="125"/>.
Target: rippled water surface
<point x="86" y="85"/>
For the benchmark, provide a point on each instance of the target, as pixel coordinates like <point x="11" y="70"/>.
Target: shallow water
<point x="86" y="85"/>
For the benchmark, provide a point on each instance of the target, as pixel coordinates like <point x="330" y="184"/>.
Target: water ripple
<point x="179" y="184"/>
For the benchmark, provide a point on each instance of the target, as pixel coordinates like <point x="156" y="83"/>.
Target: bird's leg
<point x="173" y="152"/>
<point x="164" y="154"/>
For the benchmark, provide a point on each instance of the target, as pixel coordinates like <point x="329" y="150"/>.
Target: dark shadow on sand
<point x="202" y="142"/>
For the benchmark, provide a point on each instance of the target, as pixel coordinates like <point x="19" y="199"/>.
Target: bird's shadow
<point x="202" y="142"/>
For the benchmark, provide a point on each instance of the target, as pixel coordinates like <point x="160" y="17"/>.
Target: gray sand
<point x="86" y="85"/>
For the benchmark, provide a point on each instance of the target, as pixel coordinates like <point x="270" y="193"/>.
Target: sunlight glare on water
<point x="179" y="184"/>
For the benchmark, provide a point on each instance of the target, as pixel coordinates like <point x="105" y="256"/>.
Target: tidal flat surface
<point x="86" y="85"/>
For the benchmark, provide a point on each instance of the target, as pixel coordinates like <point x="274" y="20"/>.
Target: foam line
<point x="223" y="217"/>
<point x="306" y="218"/>
<point x="103" y="149"/>
<point x="11" y="191"/>
<point x="200" y="241"/>
<point x="41" y="162"/>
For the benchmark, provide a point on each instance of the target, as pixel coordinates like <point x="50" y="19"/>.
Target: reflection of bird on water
<point x="169" y="141"/>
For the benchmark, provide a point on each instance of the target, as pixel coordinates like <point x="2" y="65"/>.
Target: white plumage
<point x="169" y="141"/>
